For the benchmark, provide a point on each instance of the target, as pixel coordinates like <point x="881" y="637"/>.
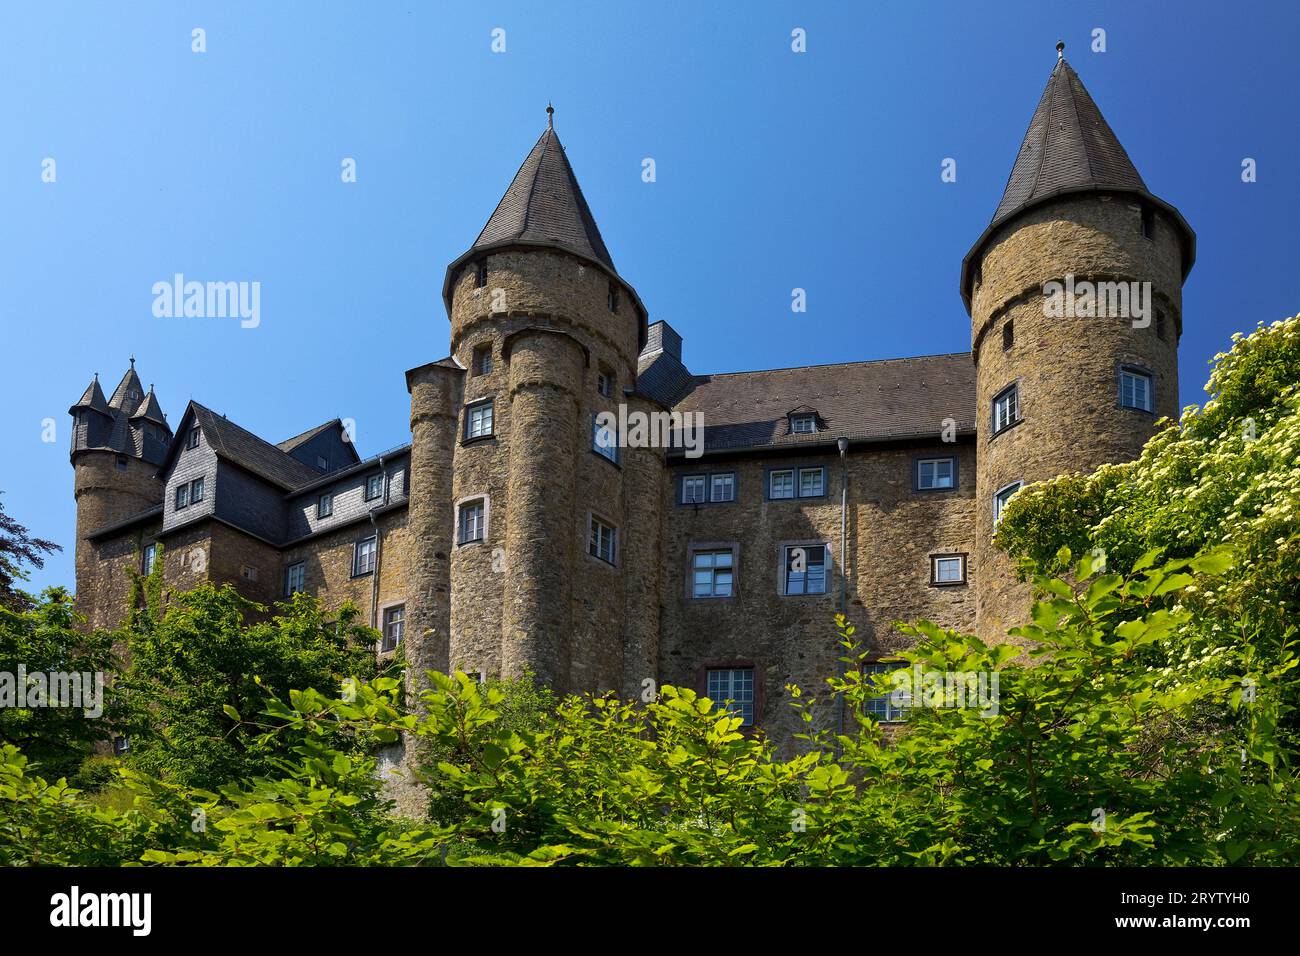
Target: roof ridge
<point x="1078" y="124"/>
<point x="797" y="368"/>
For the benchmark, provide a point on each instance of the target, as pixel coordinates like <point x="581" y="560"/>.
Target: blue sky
<point x="775" y="170"/>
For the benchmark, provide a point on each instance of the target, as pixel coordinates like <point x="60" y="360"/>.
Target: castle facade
<point x="518" y="531"/>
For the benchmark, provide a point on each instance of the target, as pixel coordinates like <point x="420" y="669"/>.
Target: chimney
<point x="662" y="337"/>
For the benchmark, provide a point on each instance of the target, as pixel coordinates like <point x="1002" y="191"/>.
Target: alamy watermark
<point x="208" y="300"/>
<point x="918" y="686"/>
<point x="26" y="690"/>
<point x="1097" y="300"/>
<point x="636" y="429"/>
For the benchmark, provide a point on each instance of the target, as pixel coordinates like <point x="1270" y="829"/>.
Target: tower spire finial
<point x="133" y="361"/>
<point x="550" y="116"/>
<point x="1060" y="49"/>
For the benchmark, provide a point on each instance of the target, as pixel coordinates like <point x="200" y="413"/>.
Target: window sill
<point x="607" y="460"/>
<point x="477" y="439"/>
<point x="948" y="584"/>
<point x="1005" y="428"/>
<point x="362" y="574"/>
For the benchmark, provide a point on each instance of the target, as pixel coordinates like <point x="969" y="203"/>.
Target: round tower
<point x="117" y="446"/>
<point x="1075" y="298"/>
<point x="548" y="334"/>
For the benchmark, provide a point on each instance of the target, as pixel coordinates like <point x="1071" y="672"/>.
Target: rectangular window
<point x="1148" y="222"/>
<point x="1160" y="326"/>
<point x="394" y="624"/>
<point x="733" y="688"/>
<point x="1008" y="335"/>
<point x="294" y="575"/>
<point x="324" y="506"/>
<point x="1001" y="497"/>
<point x="121" y="462"/>
<point x="812" y="482"/>
<point x="472" y="521"/>
<point x="604" y="440"/>
<point x="480" y="273"/>
<point x="363" y="557"/>
<point x="613" y="297"/>
<point x="605" y="383"/>
<point x="482" y="360"/>
<point x="805" y="569"/>
<point x="192" y="439"/>
<point x="196" y="490"/>
<point x="948" y="569"/>
<point x="478" y="420"/>
<point x="248" y="573"/>
<point x="1005" y="409"/>
<point x="803" y="424"/>
<point x="692" y="489"/>
<point x="886" y="707"/>
<point x="150" y="556"/>
<point x="722" y="487"/>
<point x="374" y="486"/>
<point x="603" y="538"/>
<point x="713" y="573"/>
<point x="781" y="484"/>
<point x="932" y="473"/>
<point x="322" y="463"/>
<point x="182" y="496"/>
<point x="1135" y="389"/>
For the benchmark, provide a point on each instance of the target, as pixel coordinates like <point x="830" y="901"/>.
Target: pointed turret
<point x="92" y="398"/>
<point x="1068" y="148"/>
<point x="150" y="410"/>
<point x="129" y="392"/>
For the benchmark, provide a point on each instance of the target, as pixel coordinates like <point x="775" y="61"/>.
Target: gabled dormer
<point x="804" y="420"/>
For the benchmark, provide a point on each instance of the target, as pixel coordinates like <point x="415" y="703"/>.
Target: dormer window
<point x="803" y="424"/>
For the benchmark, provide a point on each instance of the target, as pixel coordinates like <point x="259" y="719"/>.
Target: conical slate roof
<point x="151" y="410"/>
<point x="92" y="397"/>
<point x="1069" y="145"/>
<point x="544" y="204"/>
<point x="1068" y="148"/>
<point x="122" y="394"/>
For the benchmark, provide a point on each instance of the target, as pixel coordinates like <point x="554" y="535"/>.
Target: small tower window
<point x="121" y="462"/>
<point x="482" y="360"/>
<point x="613" y="297"/>
<point x="1008" y="336"/>
<point x="605" y="383"/>
<point x="1148" y="222"/>
<point x="480" y="273"/>
<point x="1135" y="389"/>
<point x="478" y="420"/>
<point x="1160" y="326"/>
<point x="1006" y="409"/>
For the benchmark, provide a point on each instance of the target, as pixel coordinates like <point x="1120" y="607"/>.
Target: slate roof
<point x="1069" y="147"/>
<point x="122" y="394"/>
<point x="243" y="448"/>
<point x="151" y="410"/>
<point x="863" y="401"/>
<point x="92" y="397"/>
<point x="545" y="204"/>
<point x="289" y="444"/>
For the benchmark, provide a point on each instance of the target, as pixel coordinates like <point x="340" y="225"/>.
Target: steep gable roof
<point x="862" y="401"/>
<point x="93" y="398"/>
<point x="241" y="447"/>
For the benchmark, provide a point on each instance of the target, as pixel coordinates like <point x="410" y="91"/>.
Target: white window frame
<point x="463" y="508"/>
<point x="150" y="558"/>
<point x="196" y="490"/>
<point x="949" y="460"/>
<point x="387" y="641"/>
<point x="1006" y="408"/>
<point x="192" y="439"/>
<point x="609" y="451"/>
<point x="787" y="556"/>
<point x="479" y="420"/>
<point x="737" y="696"/>
<point x="596" y="540"/>
<point x="712" y="568"/>
<point x="771" y="479"/>
<point x="295" y="577"/>
<point x="182" y="499"/>
<point x="1128" y="372"/>
<point x="821" y="482"/>
<point x="358" y="550"/>
<point x="884" y="708"/>
<point x="1002" y="496"/>
<point x="324" y="505"/>
<point x="937" y="561"/>
<point x="703" y="496"/>
<point x="729" y="477"/>
<point x="803" y="424"/>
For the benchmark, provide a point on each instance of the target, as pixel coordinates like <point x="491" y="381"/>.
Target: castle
<point x="517" y="531"/>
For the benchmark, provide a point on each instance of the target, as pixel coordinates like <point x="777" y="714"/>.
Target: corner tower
<point x="117" y="446"/>
<point x="545" y="335"/>
<point x="1073" y="376"/>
